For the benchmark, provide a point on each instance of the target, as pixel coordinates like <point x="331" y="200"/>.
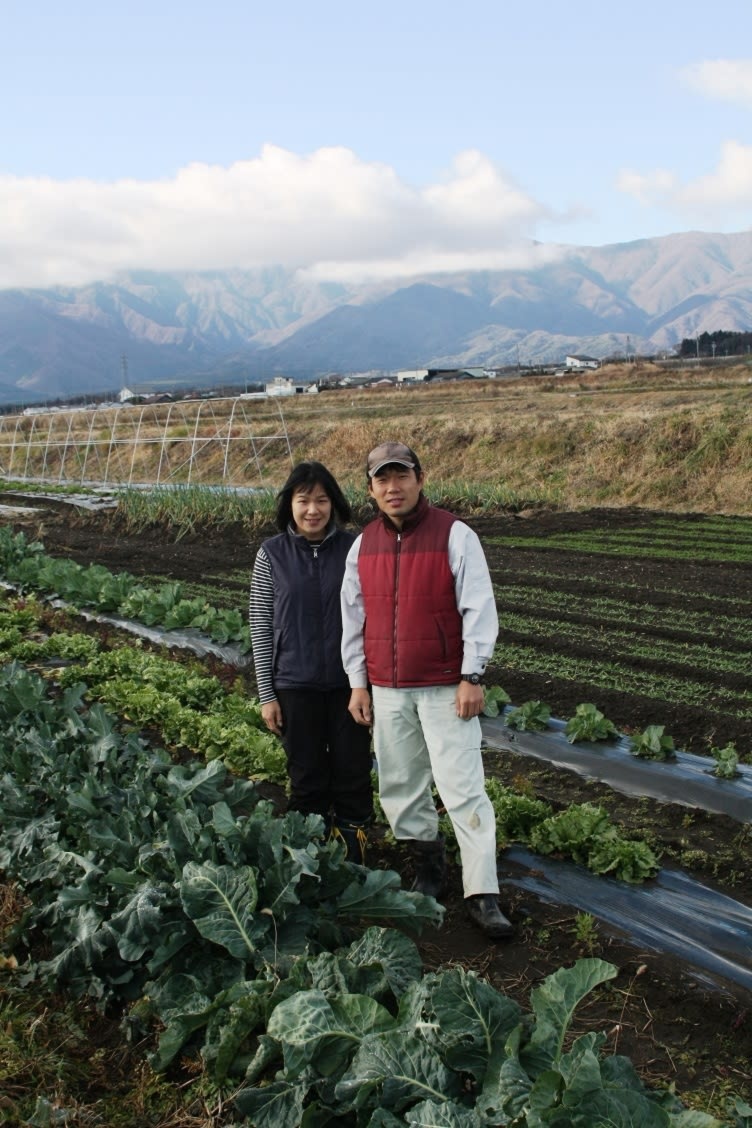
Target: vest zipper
<point x="395" y="649"/>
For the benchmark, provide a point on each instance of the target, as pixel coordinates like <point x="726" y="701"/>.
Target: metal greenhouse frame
<point x="99" y="446"/>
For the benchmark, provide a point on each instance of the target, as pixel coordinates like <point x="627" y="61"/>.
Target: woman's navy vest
<point x="307" y="616"/>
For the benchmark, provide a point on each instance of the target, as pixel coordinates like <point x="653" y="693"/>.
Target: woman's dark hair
<point x="306" y="475"/>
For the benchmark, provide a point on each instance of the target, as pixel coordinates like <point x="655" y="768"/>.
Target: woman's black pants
<point x="329" y="756"/>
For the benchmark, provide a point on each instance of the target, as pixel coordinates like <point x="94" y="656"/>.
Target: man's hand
<point x="271" y="711"/>
<point x="469" y="700"/>
<point x="360" y="706"/>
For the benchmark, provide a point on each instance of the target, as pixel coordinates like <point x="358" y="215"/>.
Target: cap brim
<point x="391" y="462"/>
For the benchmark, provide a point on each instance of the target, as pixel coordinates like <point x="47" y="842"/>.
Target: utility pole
<point x="124" y="370"/>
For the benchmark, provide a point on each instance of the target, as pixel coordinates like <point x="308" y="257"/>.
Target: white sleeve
<point x="475" y="598"/>
<point x="353" y="621"/>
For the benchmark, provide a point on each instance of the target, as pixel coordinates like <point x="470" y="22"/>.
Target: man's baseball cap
<point x="387" y="454"/>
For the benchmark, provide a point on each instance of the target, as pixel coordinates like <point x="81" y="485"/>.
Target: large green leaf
<point x="554" y="1003"/>
<point x="381" y="895"/>
<point x="278" y="1105"/>
<point x="204" y="783"/>
<point x="580" y="1068"/>
<point x="430" y="1114"/>
<point x="395" y="1070"/>
<point x="383" y="961"/>
<point x="471" y="1019"/>
<point x="240" y="1011"/>
<point x="220" y="900"/>
<point x="315" y="1030"/>
<point x="618" y="1108"/>
<point x="142" y="920"/>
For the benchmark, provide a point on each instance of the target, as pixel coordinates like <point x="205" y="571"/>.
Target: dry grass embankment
<point x="651" y="441"/>
<point x="623" y="436"/>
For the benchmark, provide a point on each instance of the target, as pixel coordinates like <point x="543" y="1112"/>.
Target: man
<point x="419" y="626"/>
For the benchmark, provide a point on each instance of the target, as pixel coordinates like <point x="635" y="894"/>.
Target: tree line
<point x="724" y="342"/>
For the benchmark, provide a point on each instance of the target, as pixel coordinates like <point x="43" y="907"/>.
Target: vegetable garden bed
<point x="651" y="639"/>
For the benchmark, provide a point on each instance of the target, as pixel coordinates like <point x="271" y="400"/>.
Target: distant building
<point x="280" y="386"/>
<point x="412" y="375"/>
<point x="419" y="375"/>
<point x="579" y="360"/>
<point x="286" y="386"/>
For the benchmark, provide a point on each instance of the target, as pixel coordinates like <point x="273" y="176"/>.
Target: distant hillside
<point x="182" y="329"/>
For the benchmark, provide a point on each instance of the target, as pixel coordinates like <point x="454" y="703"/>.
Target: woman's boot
<point x="354" y="837"/>
<point x="430" y="866"/>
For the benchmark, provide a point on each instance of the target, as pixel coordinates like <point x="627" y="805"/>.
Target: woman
<point x="296" y="631"/>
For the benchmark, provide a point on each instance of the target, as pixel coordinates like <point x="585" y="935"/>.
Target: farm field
<point x="644" y="614"/>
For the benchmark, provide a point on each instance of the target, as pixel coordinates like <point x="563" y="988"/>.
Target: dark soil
<point x="674" y="1029"/>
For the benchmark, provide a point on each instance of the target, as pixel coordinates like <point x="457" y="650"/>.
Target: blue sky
<point x="359" y="141"/>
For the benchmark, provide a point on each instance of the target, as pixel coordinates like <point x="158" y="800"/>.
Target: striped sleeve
<point x="261" y="619"/>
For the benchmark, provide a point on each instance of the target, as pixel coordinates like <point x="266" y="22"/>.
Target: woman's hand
<point x="271" y="711"/>
<point x="360" y="706"/>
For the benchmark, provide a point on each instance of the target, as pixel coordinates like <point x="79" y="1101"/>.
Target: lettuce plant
<point x="531" y="716"/>
<point x="589" y="723"/>
<point x="726" y="761"/>
<point x="652" y="744"/>
<point x="494" y="699"/>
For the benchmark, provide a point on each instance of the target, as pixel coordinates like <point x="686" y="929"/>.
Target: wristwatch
<point x="474" y="679"/>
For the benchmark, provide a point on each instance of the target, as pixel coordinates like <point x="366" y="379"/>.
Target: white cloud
<point x="655" y="187"/>
<point x="516" y="256"/>
<point x="727" y="79"/>
<point x="730" y="186"/>
<point x="712" y="197"/>
<point x="328" y="211"/>
<point x="723" y="195"/>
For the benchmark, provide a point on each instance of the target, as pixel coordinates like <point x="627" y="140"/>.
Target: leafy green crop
<point x="726" y="761"/>
<point x="585" y="833"/>
<point x="190" y="709"/>
<point x="494" y="699"/>
<point x="589" y="723"/>
<point x="516" y="814"/>
<point x="454" y="1053"/>
<point x="651" y="744"/>
<point x="173" y="880"/>
<point x="531" y="716"/>
<point x="94" y="586"/>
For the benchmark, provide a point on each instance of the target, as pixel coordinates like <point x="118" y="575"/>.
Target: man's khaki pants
<point x="420" y="740"/>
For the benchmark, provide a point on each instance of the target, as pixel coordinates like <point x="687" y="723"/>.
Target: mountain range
<point x="154" y="330"/>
